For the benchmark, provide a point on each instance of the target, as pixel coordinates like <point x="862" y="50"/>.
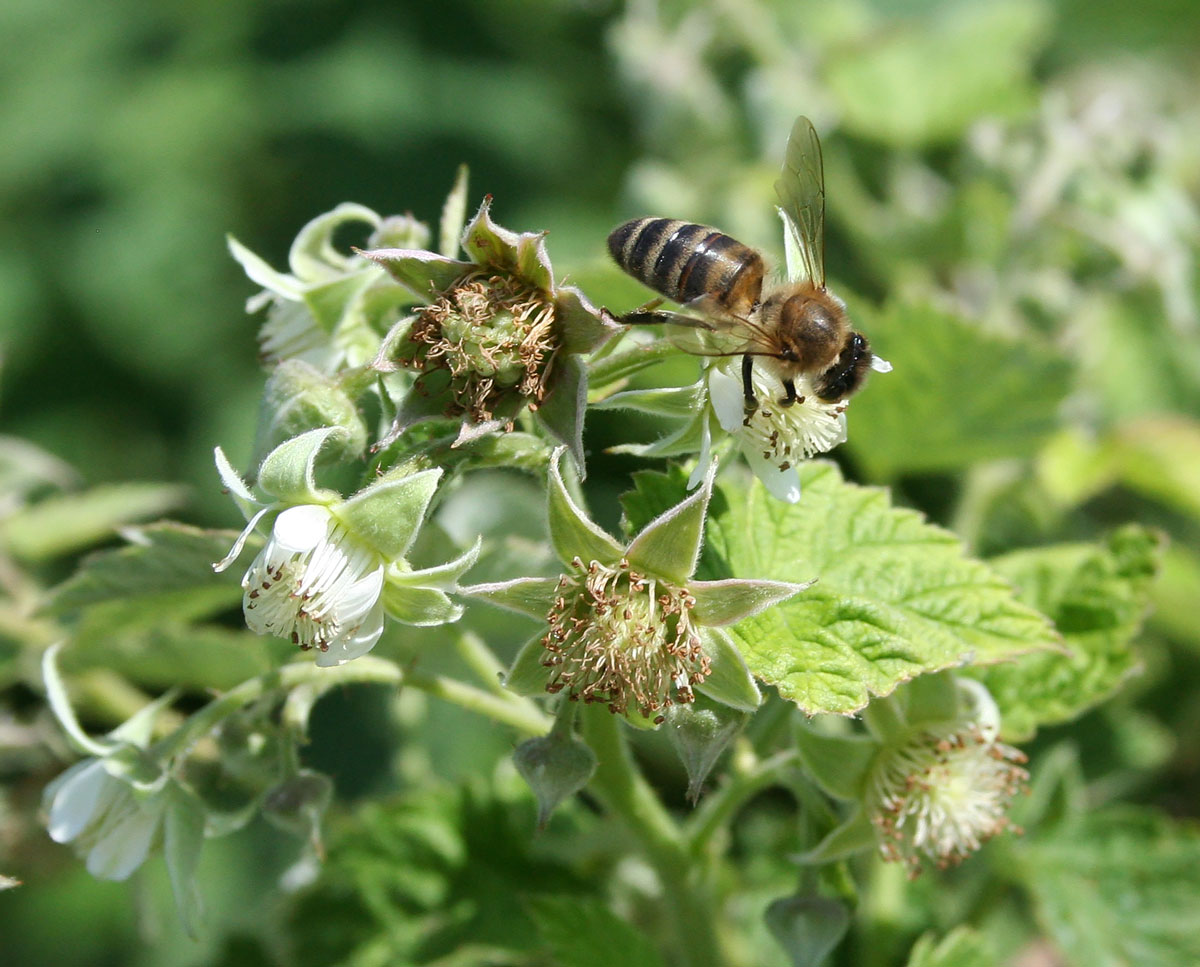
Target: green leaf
<point x="1120" y="887"/>
<point x="159" y="651"/>
<point x="166" y="571"/>
<point x="957" y="395"/>
<point x="923" y="81"/>
<point x="25" y="468"/>
<point x="961" y="947"/>
<point x="895" y="597"/>
<point x="1160" y="457"/>
<point x="585" y="933"/>
<point x="1097" y="596"/>
<point x="183" y="835"/>
<point x="69" y="522"/>
<point x="653" y="493"/>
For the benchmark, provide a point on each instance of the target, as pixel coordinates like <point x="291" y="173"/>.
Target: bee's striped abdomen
<point x="684" y="261"/>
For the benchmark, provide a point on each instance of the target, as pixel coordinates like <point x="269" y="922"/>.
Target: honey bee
<point x="799" y="326"/>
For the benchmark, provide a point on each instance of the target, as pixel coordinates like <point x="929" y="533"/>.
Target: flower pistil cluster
<point x="493" y="334"/>
<point x="618" y="636"/>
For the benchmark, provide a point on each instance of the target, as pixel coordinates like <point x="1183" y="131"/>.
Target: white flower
<point x="775" y="438"/>
<point x="315" y="313"/>
<point x="110" y="820"/>
<point x="316" y="585"/>
<point x="945" y="789"/>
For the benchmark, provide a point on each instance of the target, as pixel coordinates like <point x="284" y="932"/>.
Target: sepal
<point x="855" y="835"/>
<point x="288" y="471"/>
<point x="421" y="607"/>
<point x="670" y="544"/>
<point x="729" y="681"/>
<point x="808" y="927"/>
<point x="388" y="513"/>
<point x="699" y="736"/>
<point x="313" y="256"/>
<point x="556" y="766"/>
<point x="571" y="532"/>
<point x="423" y="273"/>
<point x="728" y="601"/>
<point x="839" y="764"/>
<point x="529" y="596"/>
<point x="527" y="675"/>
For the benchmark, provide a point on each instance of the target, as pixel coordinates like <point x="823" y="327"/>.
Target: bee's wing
<point x="705" y="328"/>
<point x="801" y="191"/>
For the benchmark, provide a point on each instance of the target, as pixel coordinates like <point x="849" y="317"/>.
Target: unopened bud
<point x="299" y="397"/>
<point x="699" y="736"/>
<point x="297" y="804"/>
<point x="555" y="766"/>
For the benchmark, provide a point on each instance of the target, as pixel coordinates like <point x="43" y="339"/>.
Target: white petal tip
<point x="880" y="365"/>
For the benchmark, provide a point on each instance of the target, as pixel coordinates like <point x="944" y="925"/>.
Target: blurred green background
<point x="137" y="135"/>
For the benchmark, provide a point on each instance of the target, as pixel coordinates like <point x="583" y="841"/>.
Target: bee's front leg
<point x="751" y="404"/>
<point x="789" y="387"/>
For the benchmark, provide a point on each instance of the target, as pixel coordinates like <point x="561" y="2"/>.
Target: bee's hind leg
<point x="751" y="404"/>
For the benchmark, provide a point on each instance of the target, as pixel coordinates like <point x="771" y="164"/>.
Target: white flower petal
<point x="300" y="529"/>
<point x="125" y="839"/>
<point x="728" y="399"/>
<point x="317" y="586"/>
<point x="782" y="484"/>
<point x="880" y="365"/>
<point x="74" y="798"/>
<point x="358" y="642"/>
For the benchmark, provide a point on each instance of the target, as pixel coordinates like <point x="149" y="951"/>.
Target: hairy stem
<point x="720" y="805"/>
<point x="521" y="714"/>
<point x="626" y="794"/>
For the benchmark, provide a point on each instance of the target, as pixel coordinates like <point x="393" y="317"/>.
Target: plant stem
<point x="723" y="802"/>
<point x="519" y="713"/>
<point x="510" y="709"/>
<point x="482" y="661"/>
<point x="626" y="794"/>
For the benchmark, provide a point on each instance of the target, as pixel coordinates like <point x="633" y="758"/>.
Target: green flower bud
<point x="299" y="397"/>
<point x="555" y="766"/>
<point x="297" y="804"/>
<point x="699" y="736"/>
